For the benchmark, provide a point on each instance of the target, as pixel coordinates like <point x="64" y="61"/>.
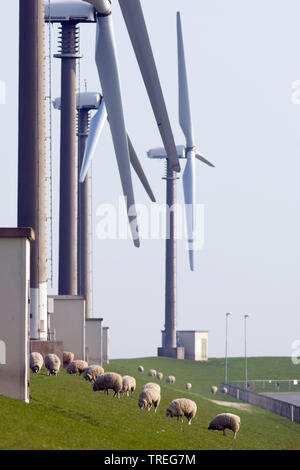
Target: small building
<point x="195" y="343"/>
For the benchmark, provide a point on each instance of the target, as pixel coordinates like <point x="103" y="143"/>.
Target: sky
<point x="243" y="61"/>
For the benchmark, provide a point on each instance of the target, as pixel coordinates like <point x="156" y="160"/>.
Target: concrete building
<point x="14" y="311"/>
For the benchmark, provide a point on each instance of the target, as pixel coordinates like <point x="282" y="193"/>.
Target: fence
<point x="287" y="410"/>
<point x="266" y="385"/>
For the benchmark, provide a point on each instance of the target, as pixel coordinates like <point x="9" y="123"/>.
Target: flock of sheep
<point x="149" y="396"/>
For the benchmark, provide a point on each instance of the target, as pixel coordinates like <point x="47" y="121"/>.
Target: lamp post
<point x="246" y="377"/>
<point x="225" y="376"/>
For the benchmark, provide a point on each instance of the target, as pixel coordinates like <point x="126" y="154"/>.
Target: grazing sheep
<point x="152" y="373"/>
<point x="67" y="358"/>
<point x="188" y="386"/>
<point x="140" y="368"/>
<point x="150" y="395"/>
<point x="52" y="363"/>
<point x="128" y="384"/>
<point x="109" y="380"/>
<point x="224" y="390"/>
<point x="92" y="372"/>
<point x="214" y="389"/>
<point x="36" y="362"/>
<point x="182" y="407"/>
<point x="159" y="375"/>
<point x="77" y="367"/>
<point x="226" y="421"/>
<point x="170" y="379"/>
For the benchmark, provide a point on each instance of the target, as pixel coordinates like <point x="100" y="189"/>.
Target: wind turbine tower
<point x="68" y="14"/>
<point x="86" y="102"/>
<point x="189" y="153"/>
<point x="32" y="156"/>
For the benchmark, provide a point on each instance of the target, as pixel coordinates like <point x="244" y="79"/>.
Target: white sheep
<point x="92" y="372"/>
<point x="224" y="390"/>
<point x="170" y="379"/>
<point x="214" y="389"/>
<point x="77" y="367"/>
<point x="159" y="375"/>
<point x="52" y="364"/>
<point x="68" y="357"/>
<point x="140" y="368"/>
<point x="226" y="421"/>
<point x="36" y="362"/>
<point x="182" y="407"/>
<point x="152" y="373"/>
<point x="188" y="386"/>
<point x="150" y="395"/>
<point x="109" y="380"/>
<point x="128" y="384"/>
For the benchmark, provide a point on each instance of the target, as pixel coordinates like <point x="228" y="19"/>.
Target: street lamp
<point x="225" y="378"/>
<point x="246" y="378"/>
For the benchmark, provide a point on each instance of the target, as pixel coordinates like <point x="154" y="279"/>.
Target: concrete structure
<point x="32" y="155"/>
<point x="68" y="321"/>
<point x="14" y="311"/>
<point x="93" y="340"/>
<point x="105" y="346"/>
<point x="195" y="344"/>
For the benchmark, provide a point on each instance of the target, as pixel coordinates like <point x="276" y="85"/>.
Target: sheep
<point x="226" y="421"/>
<point x="170" y="379"/>
<point x="92" y="372"/>
<point x="182" y="407"/>
<point x="140" y="368"/>
<point x="52" y="363"/>
<point x="188" y="386"/>
<point x="36" y="362"/>
<point x="77" y="367"/>
<point x="214" y="389"/>
<point x="224" y="390"/>
<point x="152" y="373"/>
<point x="109" y="380"/>
<point x="159" y="375"/>
<point x="150" y="395"/>
<point x="67" y="358"/>
<point x="128" y="384"/>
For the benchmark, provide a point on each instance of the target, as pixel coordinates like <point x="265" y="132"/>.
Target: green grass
<point x="64" y="413"/>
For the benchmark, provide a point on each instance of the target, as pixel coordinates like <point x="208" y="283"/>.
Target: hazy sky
<point x="242" y="59"/>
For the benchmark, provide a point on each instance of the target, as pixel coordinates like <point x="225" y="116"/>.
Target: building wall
<point x="14" y="317"/>
<point x="93" y="340"/>
<point x="195" y="344"/>
<point x="105" y="348"/>
<point x="68" y="321"/>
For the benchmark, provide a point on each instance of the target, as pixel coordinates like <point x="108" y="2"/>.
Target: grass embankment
<point x="64" y="413"/>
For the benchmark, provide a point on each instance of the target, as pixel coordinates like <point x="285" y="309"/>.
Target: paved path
<point x="289" y="397"/>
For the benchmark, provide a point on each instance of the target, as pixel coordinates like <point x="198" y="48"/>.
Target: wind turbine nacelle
<point x="88" y="100"/>
<point x="161" y="153"/>
<point x="59" y="12"/>
<point x="102" y="6"/>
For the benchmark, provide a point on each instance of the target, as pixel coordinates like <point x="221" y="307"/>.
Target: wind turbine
<point x="107" y="64"/>
<point x="189" y="153"/>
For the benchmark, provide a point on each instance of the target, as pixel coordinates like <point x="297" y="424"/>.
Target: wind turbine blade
<point x="106" y="60"/>
<point x="202" y="159"/>
<point x="136" y="26"/>
<point x="188" y="180"/>
<point x="139" y="170"/>
<point x="96" y="126"/>
<point x="185" y="116"/>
